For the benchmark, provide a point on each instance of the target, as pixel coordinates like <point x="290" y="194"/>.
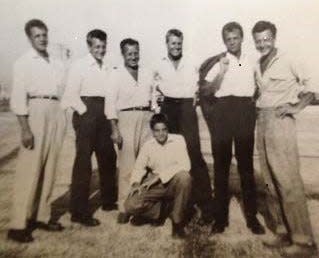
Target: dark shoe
<point x="255" y="227"/>
<point x="52" y="226"/>
<point x="297" y="250"/>
<point x="276" y="241"/>
<point x="158" y="222"/>
<point x="109" y="207"/>
<point x="123" y="218"/>
<point x="86" y="221"/>
<point x="140" y="221"/>
<point x="178" y="231"/>
<point x="20" y="235"/>
<point x="218" y="228"/>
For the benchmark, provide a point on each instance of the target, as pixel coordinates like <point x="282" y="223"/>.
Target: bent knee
<point x="183" y="178"/>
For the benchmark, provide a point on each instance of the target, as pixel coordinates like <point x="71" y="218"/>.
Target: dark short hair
<point x="231" y="26"/>
<point x="96" y="33"/>
<point x="261" y="26"/>
<point x="34" y="23"/>
<point x="173" y="32"/>
<point x="128" y="41"/>
<point x="158" y="118"/>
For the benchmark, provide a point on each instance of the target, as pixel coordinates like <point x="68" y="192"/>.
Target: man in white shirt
<point x="177" y="78"/>
<point x="160" y="179"/>
<point x="233" y="120"/>
<point x="128" y="108"/>
<point x="37" y="78"/>
<point x="85" y="94"/>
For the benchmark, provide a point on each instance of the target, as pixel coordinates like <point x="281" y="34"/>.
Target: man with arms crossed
<point x="177" y="78"/>
<point x="84" y="93"/>
<point x="233" y="120"/>
<point x="129" y="109"/>
<point x="36" y="86"/>
<point x="284" y="90"/>
<point x="164" y="162"/>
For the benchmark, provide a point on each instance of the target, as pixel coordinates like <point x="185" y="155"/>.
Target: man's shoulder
<point x="176" y="137"/>
<point x="23" y="59"/>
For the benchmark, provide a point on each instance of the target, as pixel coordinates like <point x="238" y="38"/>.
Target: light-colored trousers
<point x="279" y="162"/>
<point x="36" y="168"/>
<point x="135" y="130"/>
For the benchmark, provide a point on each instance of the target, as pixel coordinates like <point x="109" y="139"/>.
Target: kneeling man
<point x="160" y="179"/>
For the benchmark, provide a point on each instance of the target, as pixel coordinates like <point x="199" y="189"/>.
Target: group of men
<point x="161" y="170"/>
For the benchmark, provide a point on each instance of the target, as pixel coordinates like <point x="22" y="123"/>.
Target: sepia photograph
<point x="159" y="128"/>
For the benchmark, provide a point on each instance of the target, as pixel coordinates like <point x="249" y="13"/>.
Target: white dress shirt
<point x="176" y="83"/>
<point x="239" y="78"/>
<point x="125" y="92"/>
<point x="163" y="160"/>
<point x="86" y="78"/>
<point x="34" y="76"/>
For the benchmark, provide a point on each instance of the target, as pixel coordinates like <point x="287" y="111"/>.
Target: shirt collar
<point x="92" y="62"/>
<point x="34" y="54"/>
<point x="180" y="65"/>
<point x="231" y="56"/>
<point x="170" y="139"/>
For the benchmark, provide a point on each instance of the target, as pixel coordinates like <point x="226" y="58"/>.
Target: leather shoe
<point x="277" y="241"/>
<point x="52" y="226"/>
<point x="218" y="228"/>
<point x="255" y="227"/>
<point x="140" y="221"/>
<point x="86" y="221"/>
<point x="20" y="235"/>
<point x="123" y="218"/>
<point x="296" y="250"/>
<point x="109" y="207"/>
<point x="178" y="231"/>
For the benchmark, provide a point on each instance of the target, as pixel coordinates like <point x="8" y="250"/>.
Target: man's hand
<point x="287" y="110"/>
<point x="136" y="188"/>
<point x="148" y="184"/>
<point x="117" y="138"/>
<point x="223" y="64"/>
<point x="27" y="139"/>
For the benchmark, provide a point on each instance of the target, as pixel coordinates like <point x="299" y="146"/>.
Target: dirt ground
<point x="113" y="240"/>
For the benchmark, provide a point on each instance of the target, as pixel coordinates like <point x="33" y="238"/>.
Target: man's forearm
<point x="304" y="100"/>
<point x="114" y="125"/>
<point x="213" y="86"/>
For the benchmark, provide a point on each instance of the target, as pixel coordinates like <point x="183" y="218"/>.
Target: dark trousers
<point x="172" y="197"/>
<point x="182" y="119"/>
<point x="233" y="120"/>
<point x="92" y="131"/>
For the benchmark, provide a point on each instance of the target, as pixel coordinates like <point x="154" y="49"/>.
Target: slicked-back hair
<point x="128" y="41"/>
<point x="96" y="33"/>
<point x="231" y="26"/>
<point x="158" y="118"/>
<point x="264" y="25"/>
<point x="173" y="32"/>
<point x="34" y="23"/>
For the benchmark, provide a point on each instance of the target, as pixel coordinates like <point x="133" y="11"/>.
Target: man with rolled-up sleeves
<point x="37" y="81"/>
<point x="84" y="93"/>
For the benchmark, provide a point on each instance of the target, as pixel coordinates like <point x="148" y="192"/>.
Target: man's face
<point x="264" y="42"/>
<point x="97" y="48"/>
<point x="174" y="46"/>
<point x="131" y="55"/>
<point x="233" y="40"/>
<point x="160" y="133"/>
<point x="39" y="39"/>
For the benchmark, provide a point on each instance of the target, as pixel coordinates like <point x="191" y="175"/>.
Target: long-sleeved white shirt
<point x="85" y="78"/>
<point x="176" y="83"/>
<point x="163" y="160"/>
<point x="34" y="76"/>
<point x="125" y="92"/>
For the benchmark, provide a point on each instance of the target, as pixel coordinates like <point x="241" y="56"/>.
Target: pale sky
<point x="148" y="20"/>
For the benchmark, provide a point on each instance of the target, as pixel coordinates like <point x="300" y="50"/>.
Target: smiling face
<point x="233" y="40"/>
<point x="174" y="47"/>
<point x="97" y="48"/>
<point x="264" y="42"/>
<point x="39" y="39"/>
<point x="131" y="55"/>
<point x="160" y="132"/>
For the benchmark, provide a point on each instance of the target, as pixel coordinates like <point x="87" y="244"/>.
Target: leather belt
<point x="136" y="109"/>
<point x="44" y="97"/>
<point x="177" y="100"/>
